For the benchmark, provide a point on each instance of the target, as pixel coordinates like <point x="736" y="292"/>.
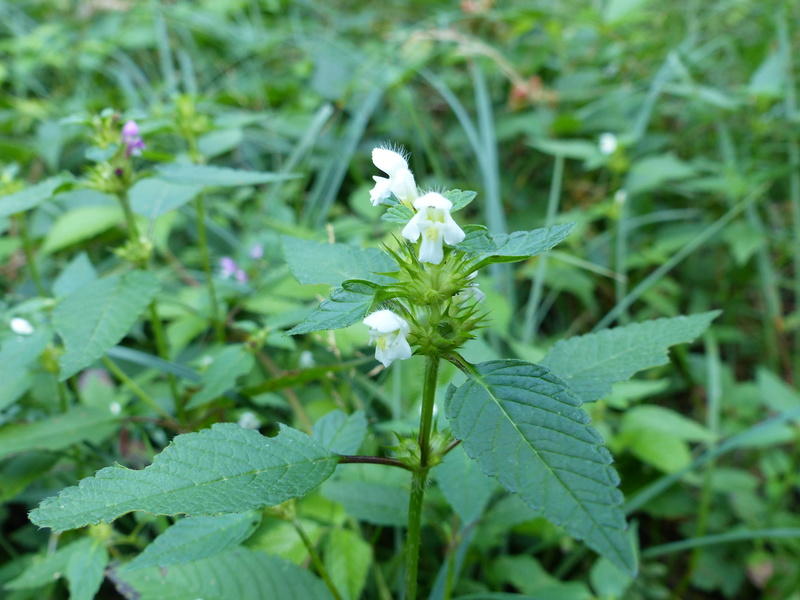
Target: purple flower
<point x="229" y="268"/>
<point x="130" y="138"/>
<point x="257" y="251"/>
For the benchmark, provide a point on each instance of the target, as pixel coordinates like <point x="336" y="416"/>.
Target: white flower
<point x="434" y="223"/>
<point x="400" y="181"/>
<point x="389" y="332"/>
<point x="21" y="326"/>
<point x="248" y="420"/>
<point x="607" y="143"/>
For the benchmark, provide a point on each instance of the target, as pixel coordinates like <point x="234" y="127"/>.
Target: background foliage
<point x="697" y="208"/>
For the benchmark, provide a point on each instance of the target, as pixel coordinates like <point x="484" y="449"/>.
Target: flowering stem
<point x="202" y="241"/>
<point x="130" y="219"/>
<point x="420" y="477"/>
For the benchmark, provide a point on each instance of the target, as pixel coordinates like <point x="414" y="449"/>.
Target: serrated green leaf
<point x="348" y="559"/>
<point x="195" y="538"/>
<point x="341" y="433"/>
<point x="592" y="362"/>
<point x="97" y="317"/>
<point x="217" y="176"/>
<point x="373" y="502"/>
<point x="56" y="433"/>
<point x="78" y="273"/>
<point x="399" y="214"/>
<point x="238" y="574"/>
<point x="459" y="199"/>
<point x="219" y="470"/>
<point x="523" y="426"/>
<point x="466" y="488"/>
<point x="478" y="240"/>
<point x="78" y="224"/>
<point x="153" y="197"/>
<point x="341" y="310"/>
<point x="31" y="197"/>
<point x="85" y="569"/>
<point x="315" y="262"/>
<point x="522" y="245"/>
<point x="230" y="364"/>
<point x="15" y="355"/>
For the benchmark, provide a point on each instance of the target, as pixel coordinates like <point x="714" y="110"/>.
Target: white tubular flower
<point x="389" y="332"/>
<point x="434" y="223"/>
<point x="401" y="181"/>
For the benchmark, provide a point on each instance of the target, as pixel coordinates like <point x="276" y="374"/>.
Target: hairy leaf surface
<point x="344" y="308"/>
<point x="591" y="363"/>
<point x="219" y="470"/>
<point x="341" y="433"/>
<point x="521" y="245"/>
<point x="523" y="426"/>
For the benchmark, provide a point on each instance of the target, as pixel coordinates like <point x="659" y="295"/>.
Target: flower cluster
<point x="131" y="140"/>
<point x="431" y="226"/>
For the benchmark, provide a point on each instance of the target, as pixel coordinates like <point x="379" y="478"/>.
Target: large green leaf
<point x="520" y="245"/>
<point x="341" y="433"/>
<point x="31" y="197"/>
<point x="348" y="559"/>
<point x="231" y="363"/>
<point x="466" y="488"/>
<point x="217" y="176"/>
<point x="523" y="426"/>
<point x="46" y="569"/>
<point x="592" y="362"/>
<point x="86" y="569"/>
<point x="153" y="197"/>
<point x="55" y="433"/>
<point x="238" y="574"/>
<point x="196" y="538"/>
<point x="97" y="317"/>
<point x="219" y="470"/>
<point x="15" y="355"/>
<point x="316" y="262"/>
<point x="78" y="224"/>
<point x="370" y="501"/>
<point x="342" y="310"/>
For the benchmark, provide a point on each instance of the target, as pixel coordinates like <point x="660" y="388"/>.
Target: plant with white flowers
<point x="517" y="422"/>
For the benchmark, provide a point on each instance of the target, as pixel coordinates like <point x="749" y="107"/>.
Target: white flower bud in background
<point x="248" y="420"/>
<point x="434" y="223"/>
<point x="471" y="290"/>
<point x="388" y="331"/>
<point x="607" y="143"/>
<point x="400" y="181"/>
<point x="21" y="326"/>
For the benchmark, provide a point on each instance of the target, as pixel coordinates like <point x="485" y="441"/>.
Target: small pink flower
<point x="130" y="138"/>
<point x="229" y="268"/>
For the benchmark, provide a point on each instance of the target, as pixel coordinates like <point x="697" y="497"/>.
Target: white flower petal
<point x="403" y="185"/>
<point x="388" y="331"/>
<point x="412" y="229"/>
<point x="433" y="200"/>
<point x="389" y="161"/>
<point x="381" y="191"/>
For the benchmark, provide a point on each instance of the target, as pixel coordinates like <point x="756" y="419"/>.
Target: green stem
<point x="163" y="353"/>
<point x="130" y="218"/>
<point x="420" y="477"/>
<point x="202" y="240"/>
<point x="27" y="248"/>
<point x="315" y="559"/>
<point x="134" y="387"/>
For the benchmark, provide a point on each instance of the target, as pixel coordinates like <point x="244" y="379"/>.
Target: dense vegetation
<point x="669" y="133"/>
